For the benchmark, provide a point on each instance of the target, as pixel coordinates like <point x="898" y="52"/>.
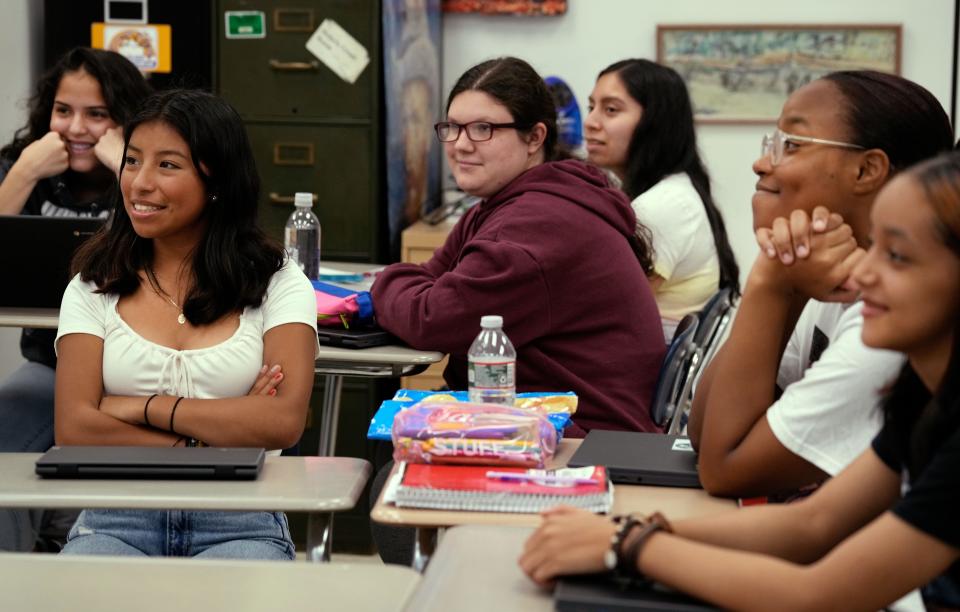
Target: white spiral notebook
<point x="502" y="489"/>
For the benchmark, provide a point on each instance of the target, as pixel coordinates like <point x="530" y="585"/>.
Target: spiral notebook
<point x="468" y="487"/>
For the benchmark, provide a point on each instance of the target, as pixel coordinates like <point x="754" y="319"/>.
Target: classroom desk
<point x="334" y="363"/>
<point x="475" y="570"/>
<point x="29" y="317"/>
<point x="377" y="362"/>
<point x="46" y="583"/>
<point x="674" y="502"/>
<point x="318" y="486"/>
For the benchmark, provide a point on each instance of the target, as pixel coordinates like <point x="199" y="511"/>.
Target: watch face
<point x="610" y="559"/>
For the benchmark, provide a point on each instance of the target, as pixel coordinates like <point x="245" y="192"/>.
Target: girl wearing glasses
<point x="886" y="524"/>
<point x="791" y="398"/>
<point x="640" y="127"/>
<point x="551" y="247"/>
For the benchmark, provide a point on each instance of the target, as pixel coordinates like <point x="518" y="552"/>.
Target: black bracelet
<point x="173" y="411"/>
<point x="146" y="420"/>
<point x="178" y="441"/>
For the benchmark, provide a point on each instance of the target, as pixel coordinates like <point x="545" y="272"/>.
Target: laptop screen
<point x="42" y="248"/>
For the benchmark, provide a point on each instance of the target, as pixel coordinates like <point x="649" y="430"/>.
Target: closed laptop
<point x="354" y="338"/>
<point x="211" y="463"/>
<point x="38" y="251"/>
<point x="639" y="458"/>
<point x="601" y="594"/>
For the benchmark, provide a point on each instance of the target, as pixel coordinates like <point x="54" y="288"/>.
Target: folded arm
<point x="259" y="419"/>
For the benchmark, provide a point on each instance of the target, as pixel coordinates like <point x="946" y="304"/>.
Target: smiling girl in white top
<point x="165" y="331"/>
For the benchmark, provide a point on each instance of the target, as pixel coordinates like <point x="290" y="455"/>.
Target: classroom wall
<point x="19" y="38"/>
<point x="595" y="33"/>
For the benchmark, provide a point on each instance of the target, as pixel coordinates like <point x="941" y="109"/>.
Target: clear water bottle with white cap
<point x="492" y="364"/>
<point x="301" y="237"/>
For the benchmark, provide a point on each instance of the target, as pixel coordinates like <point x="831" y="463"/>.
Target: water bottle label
<point x="492" y="375"/>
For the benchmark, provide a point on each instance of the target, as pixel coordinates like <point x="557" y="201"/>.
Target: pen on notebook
<point x="540" y="479"/>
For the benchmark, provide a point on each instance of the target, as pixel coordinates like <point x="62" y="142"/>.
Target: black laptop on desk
<point x="202" y="463"/>
<point x="640" y="458"/>
<point x="355" y="338"/>
<point x="37" y="252"/>
<point x="601" y="594"/>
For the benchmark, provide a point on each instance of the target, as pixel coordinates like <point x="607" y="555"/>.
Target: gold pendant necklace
<point x="181" y="319"/>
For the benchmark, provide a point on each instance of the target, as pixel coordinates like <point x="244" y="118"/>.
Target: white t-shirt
<point x="830" y="408"/>
<point x="135" y="366"/>
<point x="685" y="254"/>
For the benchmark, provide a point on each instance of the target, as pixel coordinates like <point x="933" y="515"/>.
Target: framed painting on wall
<point x="744" y="73"/>
<point x="513" y="7"/>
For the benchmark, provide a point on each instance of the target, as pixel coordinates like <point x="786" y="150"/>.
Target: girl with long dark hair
<point x="165" y="331"/>
<point x="640" y="127"/>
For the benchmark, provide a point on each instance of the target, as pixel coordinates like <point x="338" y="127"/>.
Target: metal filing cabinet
<point x="311" y="130"/>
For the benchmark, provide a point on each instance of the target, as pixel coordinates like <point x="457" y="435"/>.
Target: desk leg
<point x="424" y="545"/>
<point x="332" y="385"/>
<point x="319" y="528"/>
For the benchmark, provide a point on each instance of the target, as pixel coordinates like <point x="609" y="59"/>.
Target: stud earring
<point x="213" y="198"/>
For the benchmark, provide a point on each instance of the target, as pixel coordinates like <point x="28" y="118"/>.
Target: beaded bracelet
<point x="625" y="524"/>
<point x="626" y="570"/>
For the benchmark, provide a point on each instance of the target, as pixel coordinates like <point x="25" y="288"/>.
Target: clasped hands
<point x="810" y="256"/>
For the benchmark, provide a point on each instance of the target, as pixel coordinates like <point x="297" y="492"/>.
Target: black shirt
<point x="932" y="496"/>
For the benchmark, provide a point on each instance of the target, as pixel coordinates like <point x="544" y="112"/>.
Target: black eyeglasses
<point x="477" y="131"/>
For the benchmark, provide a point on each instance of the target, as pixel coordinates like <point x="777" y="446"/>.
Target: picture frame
<point x="506" y="7"/>
<point x="743" y="73"/>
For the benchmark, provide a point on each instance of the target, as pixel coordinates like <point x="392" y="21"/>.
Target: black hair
<point x="233" y="263"/>
<point x="516" y="85"/>
<point x="665" y="142"/>
<point x="924" y="418"/>
<point x="887" y="112"/>
<point x="121" y="85"/>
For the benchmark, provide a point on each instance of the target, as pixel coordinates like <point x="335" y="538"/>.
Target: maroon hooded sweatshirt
<point x="549" y="253"/>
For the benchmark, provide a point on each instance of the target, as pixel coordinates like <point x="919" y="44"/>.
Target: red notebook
<point x="467" y="487"/>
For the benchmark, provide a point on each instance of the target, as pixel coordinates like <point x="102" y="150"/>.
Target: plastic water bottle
<point x="492" y="364"/>
<point x="301" y="237"/>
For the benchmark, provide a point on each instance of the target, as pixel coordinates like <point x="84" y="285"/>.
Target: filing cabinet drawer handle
<point x="293" y="154"/>
<point x="279" y="200"/>
<point x="294" y="66"/>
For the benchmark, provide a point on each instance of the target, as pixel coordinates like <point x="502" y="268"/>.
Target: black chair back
<point x="673" y="372"/>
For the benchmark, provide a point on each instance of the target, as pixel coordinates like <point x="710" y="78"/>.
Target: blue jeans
<point x="177" y="533"/>
<point x="26" y="426"/>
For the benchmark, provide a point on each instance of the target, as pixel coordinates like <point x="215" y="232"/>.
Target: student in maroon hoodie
<point x="551" y="247"/>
